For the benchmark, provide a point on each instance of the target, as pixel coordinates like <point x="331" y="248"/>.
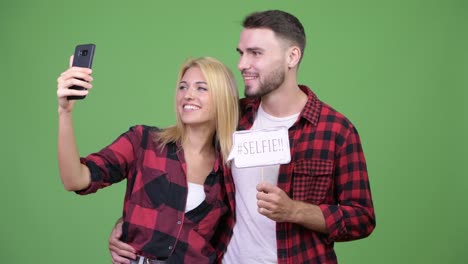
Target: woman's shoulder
<point x="141" y="132"/>
<point x="144" y="129"/>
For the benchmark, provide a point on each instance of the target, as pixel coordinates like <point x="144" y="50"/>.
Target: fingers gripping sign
<point x="274" y="203"/>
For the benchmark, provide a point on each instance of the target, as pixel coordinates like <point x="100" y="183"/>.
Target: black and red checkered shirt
<point x="328" y="169"/>
<point x="155" y="223"/>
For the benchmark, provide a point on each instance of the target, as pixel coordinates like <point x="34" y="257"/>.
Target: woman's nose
<point x="188" y="94"/>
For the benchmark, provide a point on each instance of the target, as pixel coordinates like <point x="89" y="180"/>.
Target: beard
<point x="271" y="82"/>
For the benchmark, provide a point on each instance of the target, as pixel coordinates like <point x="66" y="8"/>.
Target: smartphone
<point x="83" y="57"/>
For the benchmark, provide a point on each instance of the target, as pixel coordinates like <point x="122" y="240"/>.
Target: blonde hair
<point x="223" y="89"/>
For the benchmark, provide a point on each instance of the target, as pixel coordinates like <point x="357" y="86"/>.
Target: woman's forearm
<point x="75" y="176"/>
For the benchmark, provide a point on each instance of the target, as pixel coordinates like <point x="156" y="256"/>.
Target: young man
<point x="323" y="195"/>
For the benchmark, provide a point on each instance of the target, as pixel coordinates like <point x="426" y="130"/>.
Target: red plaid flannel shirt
<point x="328" y="169"/>
<point x="155" y="223"/>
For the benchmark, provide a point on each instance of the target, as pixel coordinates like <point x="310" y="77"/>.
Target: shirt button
<point x="179" y="222"/>
<point x="170" y="247"/>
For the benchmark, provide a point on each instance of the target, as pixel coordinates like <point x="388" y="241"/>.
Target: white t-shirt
<point x="254" y="238"/>
<point x="196" y="195"/>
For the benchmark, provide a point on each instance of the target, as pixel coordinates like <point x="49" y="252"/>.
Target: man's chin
<point x="254" y="96"/>
<point x="249" y="93"/>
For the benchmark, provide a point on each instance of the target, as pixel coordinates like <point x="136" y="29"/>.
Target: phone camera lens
<point x="83" y="52"/>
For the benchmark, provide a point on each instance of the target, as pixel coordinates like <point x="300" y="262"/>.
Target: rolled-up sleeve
<point x="112" y="163"/>
<point x="353" y="216"/>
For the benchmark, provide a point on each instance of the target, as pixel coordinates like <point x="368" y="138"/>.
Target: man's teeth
<point x="249" y="77"/>
<point x="191" y="107"/>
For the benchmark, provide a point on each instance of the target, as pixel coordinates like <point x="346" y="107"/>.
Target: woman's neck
<point x="198" y="141"/>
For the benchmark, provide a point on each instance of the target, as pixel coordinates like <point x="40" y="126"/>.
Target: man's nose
<point x="243" y="63"/>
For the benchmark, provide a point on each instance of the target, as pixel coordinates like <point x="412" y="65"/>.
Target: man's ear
<point x="294" y="56"/>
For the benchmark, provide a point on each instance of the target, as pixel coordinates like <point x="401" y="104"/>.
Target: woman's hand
<point x="69" y="78"/>
<point x="121" y="252"/>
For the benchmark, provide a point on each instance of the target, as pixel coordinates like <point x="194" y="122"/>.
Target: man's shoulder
<point x="319" y="112"/>
<point x="329" y="114"/>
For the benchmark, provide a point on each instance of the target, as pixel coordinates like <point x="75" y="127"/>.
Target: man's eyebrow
<point x="250" y="49"/>
<point x="254" y="49"/>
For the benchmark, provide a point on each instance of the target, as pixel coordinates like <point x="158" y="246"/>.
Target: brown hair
<point x="282" y="23"/>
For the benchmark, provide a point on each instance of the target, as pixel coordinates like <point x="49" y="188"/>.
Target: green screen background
<point x="397" y="69"/>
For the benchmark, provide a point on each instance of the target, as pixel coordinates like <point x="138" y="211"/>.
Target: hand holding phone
<point x="83" y="57"/>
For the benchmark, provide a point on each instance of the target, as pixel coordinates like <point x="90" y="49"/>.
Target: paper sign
<point x="260" y="147"/>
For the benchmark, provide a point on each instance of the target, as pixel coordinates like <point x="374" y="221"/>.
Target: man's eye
<point x="182" y="87"/>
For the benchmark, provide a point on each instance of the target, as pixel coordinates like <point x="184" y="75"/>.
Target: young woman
<point x="174" y="198"/>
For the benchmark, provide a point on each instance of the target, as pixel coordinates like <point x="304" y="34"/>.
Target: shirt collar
<point x="310" y="112"/>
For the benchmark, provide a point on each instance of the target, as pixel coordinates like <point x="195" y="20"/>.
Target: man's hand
<point x="121" y="252"/>
<point x="274" y="203"/>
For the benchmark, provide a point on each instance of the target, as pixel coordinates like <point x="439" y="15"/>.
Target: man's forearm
<point x="309" y="216"/>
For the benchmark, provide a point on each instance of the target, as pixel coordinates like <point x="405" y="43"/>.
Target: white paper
<point x="260" y="147"/>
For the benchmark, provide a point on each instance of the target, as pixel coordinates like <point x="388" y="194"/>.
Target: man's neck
<point x="287" y="100"/>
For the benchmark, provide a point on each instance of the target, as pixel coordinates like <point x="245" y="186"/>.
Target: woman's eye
<point x="202" y="89"/>
<point x="182" y="87"/>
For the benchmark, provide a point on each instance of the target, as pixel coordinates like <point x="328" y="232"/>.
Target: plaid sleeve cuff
<point x="96" y="179"/>
<point x="334" y="222"/>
